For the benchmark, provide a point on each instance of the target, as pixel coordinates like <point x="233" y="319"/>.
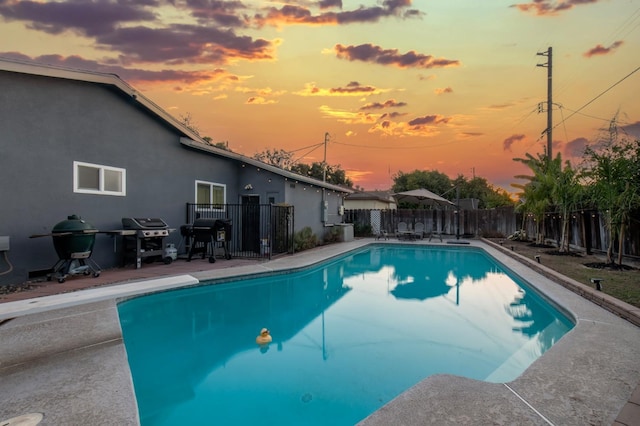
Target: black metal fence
<point x="258" y="230"/>
<point x="587" y="228"/>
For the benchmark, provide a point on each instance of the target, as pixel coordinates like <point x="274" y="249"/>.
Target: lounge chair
<point x="418" y="230"/>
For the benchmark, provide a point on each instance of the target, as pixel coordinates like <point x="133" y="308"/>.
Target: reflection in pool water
<point x="348" y="336"/>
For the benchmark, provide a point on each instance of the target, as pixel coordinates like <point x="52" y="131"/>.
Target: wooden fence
<point x="587" y="228"/>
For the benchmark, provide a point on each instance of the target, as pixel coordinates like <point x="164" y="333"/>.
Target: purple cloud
<point x="506" y="144"/>
<point x="378" y="55"/>
<point x="601" y="50"/>
<point x="575" y="148"/>
<point x="391" y="103"/>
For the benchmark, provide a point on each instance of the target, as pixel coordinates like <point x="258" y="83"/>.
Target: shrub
<point x="360" y="230"/>
<point x="491" y="234"/>
<point x="304" y="239"/>
<point x="332" y="236"/>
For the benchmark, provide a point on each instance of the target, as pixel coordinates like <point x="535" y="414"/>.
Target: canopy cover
<point x="422" y="197"/>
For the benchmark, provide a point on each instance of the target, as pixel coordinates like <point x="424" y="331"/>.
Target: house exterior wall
<point x="368" y="205"/>
<point x="46" y="124"/>
<point x="307" y="200"/>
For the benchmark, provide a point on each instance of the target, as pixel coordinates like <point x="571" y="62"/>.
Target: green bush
<point x="491" y="234"/>
<point x="304" y="239"/>
<point x="332" y="235"/>
<point x="360" y="230"/>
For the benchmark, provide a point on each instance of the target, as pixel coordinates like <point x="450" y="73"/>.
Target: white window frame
<point x="101" y="169"/>
<point x="211" y="185"/>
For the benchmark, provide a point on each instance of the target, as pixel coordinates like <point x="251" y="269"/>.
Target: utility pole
<point x="324" y="162"/>
<point x="549" y="66"/>
<point x="324" y="206"/>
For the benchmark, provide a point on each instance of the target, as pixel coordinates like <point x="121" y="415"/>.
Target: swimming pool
<point x="348" y="336"/>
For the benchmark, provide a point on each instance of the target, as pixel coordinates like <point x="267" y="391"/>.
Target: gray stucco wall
<point x="307" y="200"/>
<point x="46" y="124"/>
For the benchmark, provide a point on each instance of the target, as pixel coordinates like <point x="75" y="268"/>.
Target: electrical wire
<point x="302" y="156"/>
<point x="6" y="259"/>
<point x="598" y="96"/>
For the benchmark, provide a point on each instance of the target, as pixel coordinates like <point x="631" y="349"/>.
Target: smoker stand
<point x="78" y="264"/>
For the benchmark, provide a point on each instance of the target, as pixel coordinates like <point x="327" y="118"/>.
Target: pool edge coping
<point x="301" y="260"/>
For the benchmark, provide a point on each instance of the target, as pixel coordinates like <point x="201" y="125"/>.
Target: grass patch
<point x="621" y="283"/>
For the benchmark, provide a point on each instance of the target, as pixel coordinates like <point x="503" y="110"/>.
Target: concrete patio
<point x="62" y="354"/>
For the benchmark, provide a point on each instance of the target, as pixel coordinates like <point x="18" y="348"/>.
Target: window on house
<point x="211" y="193"/>
<point x="96" y="179"/>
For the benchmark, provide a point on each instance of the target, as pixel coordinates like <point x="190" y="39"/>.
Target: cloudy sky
<point x="398" y="85"/>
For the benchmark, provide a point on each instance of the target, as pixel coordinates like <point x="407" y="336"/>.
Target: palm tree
<point x="536" y="193"/>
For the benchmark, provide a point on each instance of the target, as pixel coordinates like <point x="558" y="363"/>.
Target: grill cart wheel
<point x="167" y="260"/>
<point x="212" y="259"/>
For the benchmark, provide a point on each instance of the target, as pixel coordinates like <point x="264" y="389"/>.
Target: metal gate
<point x="258" y="230"/>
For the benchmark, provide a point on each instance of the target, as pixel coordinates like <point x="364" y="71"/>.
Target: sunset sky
<point x="398" y="85"/>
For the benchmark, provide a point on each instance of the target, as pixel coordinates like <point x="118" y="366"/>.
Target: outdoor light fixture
<point x="248" y="187"/>
<point x="537" y="258"/>
<point x="598" y="283"/>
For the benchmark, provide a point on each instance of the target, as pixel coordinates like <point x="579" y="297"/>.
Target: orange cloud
<point x="378" y="55"/>
<point x="442" y="91"/>
<point x="548" y="7"/>
<point x="349" y="117"/>
<point x="601" y="50"/>
<point x="259" y="100"/>
<point x="351" y="89"/>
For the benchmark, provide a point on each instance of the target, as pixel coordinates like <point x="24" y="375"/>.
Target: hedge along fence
<point x="587" y="227"/>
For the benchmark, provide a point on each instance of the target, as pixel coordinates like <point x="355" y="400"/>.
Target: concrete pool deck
<point x="63" y="355"/>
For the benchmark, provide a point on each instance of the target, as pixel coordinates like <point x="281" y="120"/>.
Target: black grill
<point x="204" y="235"/>
<point x="73" y="240"/>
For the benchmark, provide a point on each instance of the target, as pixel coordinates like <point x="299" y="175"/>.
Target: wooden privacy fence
<point x="587" y="228"/>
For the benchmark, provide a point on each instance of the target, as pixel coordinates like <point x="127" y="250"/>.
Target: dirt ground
<point x="622" y="284"/>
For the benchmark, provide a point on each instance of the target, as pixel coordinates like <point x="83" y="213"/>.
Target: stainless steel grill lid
<point x="143" y="223"/>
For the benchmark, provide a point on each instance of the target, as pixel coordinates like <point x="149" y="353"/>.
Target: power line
<point x="302" y="156"/>
<point x="396" y="147"/>
<point x="305" y="147"/>
<point x="594" y="99"/>
<point x="594" y="117"/>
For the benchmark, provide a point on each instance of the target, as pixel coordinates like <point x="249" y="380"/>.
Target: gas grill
<point x="143" y="238"/>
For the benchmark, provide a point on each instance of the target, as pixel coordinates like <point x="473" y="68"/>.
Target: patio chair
<point x="418" y="230"/>
<point x="402" y="231"/>
<point x="435" y="233"/>
<point x="382" y="235"/>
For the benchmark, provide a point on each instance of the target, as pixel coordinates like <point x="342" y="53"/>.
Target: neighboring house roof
<point x="190" y="138"/>
<point x="383" y="196"/>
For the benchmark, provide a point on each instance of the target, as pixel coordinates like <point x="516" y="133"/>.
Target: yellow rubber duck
<point x="264" y="338"/>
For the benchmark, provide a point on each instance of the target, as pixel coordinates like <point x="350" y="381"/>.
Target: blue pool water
<point x="348" y="336"/>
